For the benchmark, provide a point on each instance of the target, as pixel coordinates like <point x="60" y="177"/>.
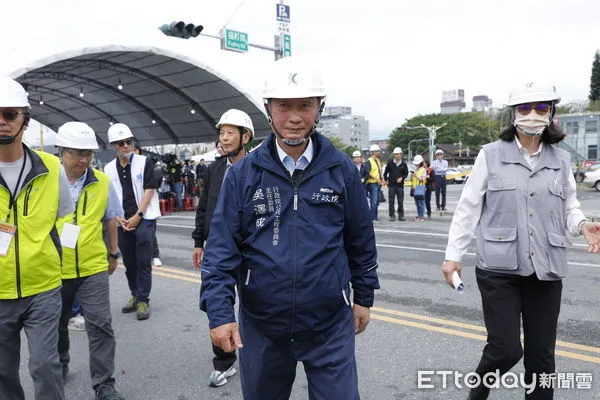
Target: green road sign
<point x="287" y="45"/>
<point x="234" y="41"/>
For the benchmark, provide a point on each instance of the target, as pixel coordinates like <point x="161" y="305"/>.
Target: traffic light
<point x="181" y="30"/>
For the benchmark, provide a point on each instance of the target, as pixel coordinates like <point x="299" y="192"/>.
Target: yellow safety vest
<point x="89" y="256"/>
<point x="32" y="263"/>
<point x="374" y="173"/>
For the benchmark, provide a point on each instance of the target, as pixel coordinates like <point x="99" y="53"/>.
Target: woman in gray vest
<point x="521" y="202"/>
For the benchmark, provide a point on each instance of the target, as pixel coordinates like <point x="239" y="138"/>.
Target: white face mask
<point x="532" y="124"/>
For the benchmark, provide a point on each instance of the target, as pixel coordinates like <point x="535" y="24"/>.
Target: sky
<point x="388" y="59"/>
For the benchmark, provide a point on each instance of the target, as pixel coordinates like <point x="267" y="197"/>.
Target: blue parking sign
<point x="283" y="12"/>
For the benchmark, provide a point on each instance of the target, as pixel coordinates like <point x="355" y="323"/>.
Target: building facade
<point x="339" y="122"/>
<point x="583" y="135"/>
<point x="453" y="101"/>
<point x="481" y="104"/>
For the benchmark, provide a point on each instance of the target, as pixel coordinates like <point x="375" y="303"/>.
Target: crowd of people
<point x="301" y="298"/>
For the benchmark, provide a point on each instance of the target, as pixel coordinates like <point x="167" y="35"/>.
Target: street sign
<point x="283" y="12"/>
<point x="287" y="45"/>
<point x="234" y="41"/>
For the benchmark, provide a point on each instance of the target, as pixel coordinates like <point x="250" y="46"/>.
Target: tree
<point x="595" y="79"/>
<point x="571" y="108"/>
<point x="473" y="129"/>
<point x="340" y="145"/>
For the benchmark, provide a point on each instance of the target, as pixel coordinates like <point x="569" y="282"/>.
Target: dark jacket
<point x="213" y="180"/>
<point x="201" y="171"/>
<point x="430" y="182"/>
<point x="393" y="172"/>
<point x="292" y="245"/>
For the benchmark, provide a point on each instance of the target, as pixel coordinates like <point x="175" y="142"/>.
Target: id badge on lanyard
<point x="7" y="232"/>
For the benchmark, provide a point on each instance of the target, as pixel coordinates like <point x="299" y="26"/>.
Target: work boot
<point x="131" y="306"/>
<point x="108" y="392"/>
<point x="143" y="310"/>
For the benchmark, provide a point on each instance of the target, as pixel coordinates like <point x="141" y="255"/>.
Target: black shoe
<point x="401" y="219"/>
<point x="108" y="392"/>
<point x="392" y="218"/>
<point x="443" y="208"/>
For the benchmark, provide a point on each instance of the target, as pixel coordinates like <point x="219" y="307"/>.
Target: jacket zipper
<point x="76" y="243"/>
<point x="84" y="202"/>
<point x="19" y="294"/>
<point x="26" y="207"/>
<point x="295" y="259"/>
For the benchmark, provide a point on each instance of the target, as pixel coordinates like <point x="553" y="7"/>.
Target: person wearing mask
<point x="374" y="180"/>
<point x="275" y="207"/>
<point x="86" y="263"/>
<point x="418" y="179"/>
<point x="235" y="132"/>
<point x="34" y="194"/>
<point x="440" y="166"/>
<point x="395" y="173"/>
<point x="429" y="185"/>
<point x="521" y="202"/>
<point x="133" y="178"/>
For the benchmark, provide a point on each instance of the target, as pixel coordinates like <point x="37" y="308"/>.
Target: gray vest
<point x="523" y="223"/>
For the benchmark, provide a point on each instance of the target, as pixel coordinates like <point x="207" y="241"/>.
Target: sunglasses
<point x="11" y="115"/>
<point x="80" y="153"/>
<point x="540" y="108"/>
<point x="122" y="143"/>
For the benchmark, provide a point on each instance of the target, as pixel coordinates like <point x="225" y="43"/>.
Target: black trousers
<point x="393" y="192"/>
<point x="506" y="299"/>
<point x="222" y="360"/>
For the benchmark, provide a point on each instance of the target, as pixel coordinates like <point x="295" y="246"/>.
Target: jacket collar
<point x="325" y="156"/>
<point x="511" y="155"/>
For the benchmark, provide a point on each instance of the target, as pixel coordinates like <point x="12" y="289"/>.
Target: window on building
<point x="591" y="126"/>
<point x="575" y="127"/>
<point x="592" y="152"/>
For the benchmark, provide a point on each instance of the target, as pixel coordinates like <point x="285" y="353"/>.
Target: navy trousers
<point x="268" y="367"/>
<point x="137" y="248"/>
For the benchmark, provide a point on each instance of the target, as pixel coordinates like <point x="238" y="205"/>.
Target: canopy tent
<point x="163" y="97"/>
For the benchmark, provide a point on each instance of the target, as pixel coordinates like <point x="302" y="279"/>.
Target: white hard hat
<point x="290" y="79"/>
<point x="439" y="151"/>
<point x="356" y="153"/>
<point x="533" y="92"/>
<point x="76" y="135"/>
<point x="12" y="93"/>
<point x="374" y="147"/>
<point x="397" y="150"/>
<point x="119" y="132"/>
<point x="236" y="118"/>
<point x="418" y="159"/>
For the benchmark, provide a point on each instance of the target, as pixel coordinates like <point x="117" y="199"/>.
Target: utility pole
<point x="432" y="135"/>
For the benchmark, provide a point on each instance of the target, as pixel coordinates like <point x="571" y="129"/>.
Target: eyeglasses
<point x="11" y="115"/>
<point x="540" y="108"/>
<point x="122" y="143"/>
<point x="80" y="153"/>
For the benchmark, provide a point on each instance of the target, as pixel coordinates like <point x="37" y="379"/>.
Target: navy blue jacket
<point x="292" y="244"/>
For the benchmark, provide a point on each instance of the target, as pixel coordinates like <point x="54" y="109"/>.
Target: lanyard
<point x="12" y="202"/>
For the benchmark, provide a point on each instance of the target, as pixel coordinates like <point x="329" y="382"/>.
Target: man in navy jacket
<point x="292" y="230"/>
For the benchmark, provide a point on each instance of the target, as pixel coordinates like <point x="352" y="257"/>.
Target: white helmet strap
<point x="300" y="141"/>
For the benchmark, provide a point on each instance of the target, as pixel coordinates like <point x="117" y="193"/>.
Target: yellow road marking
<point x="483" y="338"/>
<point x="432" y="328"/>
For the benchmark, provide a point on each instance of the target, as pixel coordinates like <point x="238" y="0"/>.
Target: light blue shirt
<point x="439" y="166"/>
<point x="289" y="163"/>
<point x="113" y="208"/>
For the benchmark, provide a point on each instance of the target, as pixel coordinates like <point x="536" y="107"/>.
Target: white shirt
<point x="289" y="163"/>
<point x="468" y="211"/>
